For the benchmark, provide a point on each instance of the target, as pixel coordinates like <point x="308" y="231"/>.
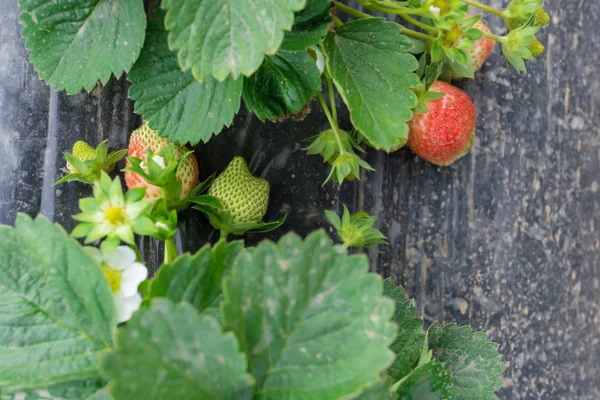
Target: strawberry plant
<point x="297" y="319"/>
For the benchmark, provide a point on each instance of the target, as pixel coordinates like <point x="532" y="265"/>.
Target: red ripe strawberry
<point x="144" y="138"/>
<point x="482" y="47"/>
<point x="446" y="131"/>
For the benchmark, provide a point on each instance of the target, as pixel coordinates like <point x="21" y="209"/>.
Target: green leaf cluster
<point x="297" y="319"/>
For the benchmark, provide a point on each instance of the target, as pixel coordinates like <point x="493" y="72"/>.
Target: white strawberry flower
<point x="124" y="275"/>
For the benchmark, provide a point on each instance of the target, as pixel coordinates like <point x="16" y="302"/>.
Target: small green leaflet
<point x="428" y="381"/>
<point x="410" y="337"/>
<point x="292" y="305"/>
<point x="56" y="308"/>
<point x="373" y="71"/>
<point x="196" y="279"/>
<point x="283" y="85"/>
<point x="227" y="37"/>
<point x="82" y="390"/>
<point x="310" y="25"/>
<point x="172" y="352"/>
<point x="74" y="44"/>
<point x="174" y="102"/>
<point x="475" y="363"/>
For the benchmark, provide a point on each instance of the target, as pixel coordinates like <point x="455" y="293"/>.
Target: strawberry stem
<point x="337" y="21"/>
<point x="170" y="251"/>
<point x="351" y="11"/>
<point x="401" y="11"/>
<point x="499" y="39"/>
<point x="138" y="255"/>
<point x="223" y="235"/>
<point x="420" y="24"/>
<point x="483" y="7"/>
<point x="332" y="122"/>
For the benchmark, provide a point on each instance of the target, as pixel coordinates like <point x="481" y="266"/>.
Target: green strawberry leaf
<point x="75" y="44"/>
<point x="195" y="279"/>
<point x="475" y="363"/>
<point x="410" y="337"/>
<point x="56" y="312"/>
<point x="282" y="85"/>
<point x="227" y="37"/>
<point x="81" y="390"/>
<point x="292" y="305"/>
<point x="310" y="26"/>
<point x="370" y="65"/>
<point x="172" y="101"/>
<point x="379" y="391"/>
<point x="172" y="352"/>
<point x="428" y="381"/>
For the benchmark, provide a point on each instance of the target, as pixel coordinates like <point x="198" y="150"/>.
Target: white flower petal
<point x="121" y="258"/>
<point x="126" y="306"/>
<point x="94" y="253"/>
<point x="132" y="277"/>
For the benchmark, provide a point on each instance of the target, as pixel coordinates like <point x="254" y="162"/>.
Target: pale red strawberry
<point x="145" y="138"/>
<point x="482" y="47"/>
<point x="446" y="131"/>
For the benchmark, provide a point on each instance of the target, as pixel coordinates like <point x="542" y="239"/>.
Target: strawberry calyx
<point x="356" y="230"/>
<point x="86" y="164"/>
<point x="160" y="170"/>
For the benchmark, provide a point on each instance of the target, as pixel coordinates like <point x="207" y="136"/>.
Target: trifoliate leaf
<point x="282" y="85"/>
<point x="172" y="101"/>
<point x="428" y="381"/>
<point x="227" y="37"/>
<point x="172" y="352"/>
<point x="373" y="71"/>
<point x="475" y="363"/>
<point x="410" y="337"/>
<point x="56" y="312"/>
<point x="82" y="390"/>
<point x="310" y="26"/>
<point x="293" y="304"/>
<point x="196" y="279"/>
<point x="75" y="44"/>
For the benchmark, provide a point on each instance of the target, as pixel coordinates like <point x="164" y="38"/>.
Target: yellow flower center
<point x="442" y="5"/>
<point x="115" y="215"/>
<point x="452" y="35"/>
<point x="113" y="276"/>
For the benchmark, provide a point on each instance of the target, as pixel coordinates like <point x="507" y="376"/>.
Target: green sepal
<point x="89" y="171"/>
<point x="356" y="230"/>
<point x="222" y="220"/>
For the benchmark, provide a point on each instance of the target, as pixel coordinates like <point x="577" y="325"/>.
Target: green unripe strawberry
<point x="536" y="48"/>
<point x="83" y="152"/>
<point x="541" y="17"/>
<point x="243" y="195"/>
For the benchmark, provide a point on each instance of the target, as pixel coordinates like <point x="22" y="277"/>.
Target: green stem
<point x="498" y="39"/>
<point x="483" y="7"/>
<point x="351" y="11"/>
<point x="138" y="255"/>
<point x="332" y="122"/>
<point x="223" y="235"/>
<point x="332" y="99"/>
<point x="420" y="24"/>
<point x="337" y="21"/>
<point x="390" y="8"/>
<point x="417" y="35"/>
<point x="170" y="251"/>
